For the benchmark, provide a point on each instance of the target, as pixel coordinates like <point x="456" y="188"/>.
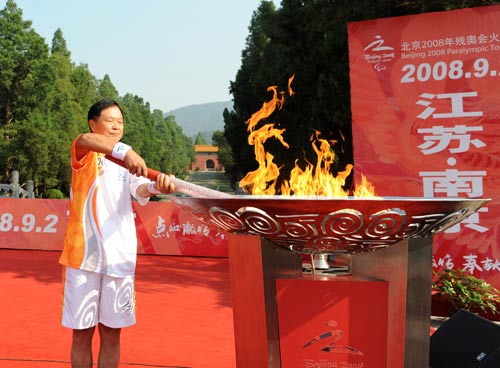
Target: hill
<point x="204" y="118"/>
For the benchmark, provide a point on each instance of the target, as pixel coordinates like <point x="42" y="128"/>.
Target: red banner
<point x="425" y="91"/>
<point x="162" y="228"/>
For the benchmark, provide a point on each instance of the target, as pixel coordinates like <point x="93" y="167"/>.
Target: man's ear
<point x="92" y="124"/>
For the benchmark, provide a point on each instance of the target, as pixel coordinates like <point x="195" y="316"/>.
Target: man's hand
<point x="135" y="163"/>
<point x="164" y="184"/>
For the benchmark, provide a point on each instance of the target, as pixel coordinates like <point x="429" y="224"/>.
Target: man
<point x="100" y="245"/>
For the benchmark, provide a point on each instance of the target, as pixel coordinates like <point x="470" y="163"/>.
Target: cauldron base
<point x="257" y="264"/>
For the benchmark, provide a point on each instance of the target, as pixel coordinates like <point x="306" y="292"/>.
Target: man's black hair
<point x="95" y="109"/>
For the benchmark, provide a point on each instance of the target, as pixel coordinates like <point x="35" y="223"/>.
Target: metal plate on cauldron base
<point x="329" y="225"/>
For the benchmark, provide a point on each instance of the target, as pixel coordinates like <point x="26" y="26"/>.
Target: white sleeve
<point x="135" y="181"/>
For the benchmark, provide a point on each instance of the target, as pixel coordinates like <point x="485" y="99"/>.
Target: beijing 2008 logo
<point x="330" y="341"/>
<point x="379" y="54"/>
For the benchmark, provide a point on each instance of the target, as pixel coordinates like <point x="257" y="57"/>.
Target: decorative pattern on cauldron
<point x="326" y="225"/>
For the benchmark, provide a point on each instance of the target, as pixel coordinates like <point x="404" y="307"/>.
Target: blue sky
<point x="172" y="53"/>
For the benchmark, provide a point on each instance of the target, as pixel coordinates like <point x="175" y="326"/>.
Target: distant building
<point x="206" y="158"/>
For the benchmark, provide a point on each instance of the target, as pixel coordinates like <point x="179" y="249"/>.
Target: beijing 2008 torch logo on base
<point x="331" y="341"/>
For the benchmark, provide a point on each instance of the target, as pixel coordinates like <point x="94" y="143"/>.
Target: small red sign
<point x="334" y="322"/>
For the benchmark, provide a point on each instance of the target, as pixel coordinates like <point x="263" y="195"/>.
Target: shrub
<point x="53" y="194"/>
<point x="464" y="291"/>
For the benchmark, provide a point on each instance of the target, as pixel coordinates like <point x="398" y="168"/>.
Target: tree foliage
<point x="44" y="99"/>
<point x="225" y="155"/>
<point x="308" y="39"/>
<point x="199" y="139"/>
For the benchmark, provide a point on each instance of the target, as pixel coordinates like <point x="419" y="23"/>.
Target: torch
<point x="181" y="186"/>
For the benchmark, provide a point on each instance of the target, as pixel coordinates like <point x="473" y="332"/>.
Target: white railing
<point x="14" y="189"/>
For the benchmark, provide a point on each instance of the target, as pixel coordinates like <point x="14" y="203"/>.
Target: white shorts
<point x="90" y="298"/>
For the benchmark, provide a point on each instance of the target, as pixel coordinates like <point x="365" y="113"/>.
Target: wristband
<point x="120" y="150"/>
<point x="152" y="189"/>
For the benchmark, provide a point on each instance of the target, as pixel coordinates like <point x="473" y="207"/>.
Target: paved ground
<point x="211" y="179"/>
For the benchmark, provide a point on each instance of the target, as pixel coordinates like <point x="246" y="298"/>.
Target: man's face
<point x="109" y="123"/>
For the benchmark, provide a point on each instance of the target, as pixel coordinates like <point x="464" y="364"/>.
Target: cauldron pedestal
<point x="404" y="269"/>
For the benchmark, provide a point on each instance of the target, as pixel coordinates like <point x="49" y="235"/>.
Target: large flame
<point x="263" y="180"/>
<point x="314" y="180"/>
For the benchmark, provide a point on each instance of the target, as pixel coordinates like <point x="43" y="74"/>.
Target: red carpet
<point x="184" y="314"/>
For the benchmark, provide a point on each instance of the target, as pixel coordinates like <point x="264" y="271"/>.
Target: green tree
<point x="85" y="93"/>
<point x="165" y="143"/>
<point x="182" y="151"/>
<point x="27" y="77"/>
<point x="24" y="65"/>
<point x="199" y="139"/>
<point x="156" y="145"/>
<point x="225" y="154"/>
<point x="136" y="115"/>
<point x="63" y="116"/>
<point x="106" y="89"/>
<point x="59" y="46"/>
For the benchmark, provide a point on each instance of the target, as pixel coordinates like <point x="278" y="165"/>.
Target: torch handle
<point x="181" y="186"/>
<point x="194" y="190"/>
